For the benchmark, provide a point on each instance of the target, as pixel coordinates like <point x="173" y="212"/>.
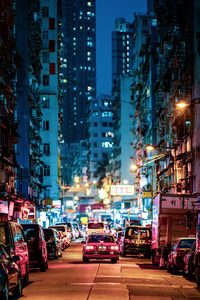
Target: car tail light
<point x="127" y="241"/>
<point x="147" y="242"/>
<point x="114" y="248"/>
<point x="89" y="247"/>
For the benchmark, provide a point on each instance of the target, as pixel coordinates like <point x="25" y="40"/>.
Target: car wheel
<point x="169" y="268"/>
<point x="43" y="267"/>
<point x="5" y="293"/>
<point x="26" y="278"/>
<point x="123" y="254"/>
<point x="85" y="260"/>
<point x="114" y="260"/>
<point x="18" y="290"/>
<point x="197" y="273"/>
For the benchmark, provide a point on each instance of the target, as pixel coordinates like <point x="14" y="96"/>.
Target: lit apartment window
<point x="88" y="53"/>
<point x="45" y="102"/>
<point x="89" y="88"/>
<point x="89" y="4"/>
<point x="46" y="170"/>
<point x="45" y="12"/>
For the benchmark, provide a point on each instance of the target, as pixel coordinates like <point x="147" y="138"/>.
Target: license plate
<point x="102" y="248"/>
<point x="112" y="253"/>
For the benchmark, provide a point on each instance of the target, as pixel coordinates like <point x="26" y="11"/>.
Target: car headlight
<point x="89" y="247"/>
<point x="114" y="248"/>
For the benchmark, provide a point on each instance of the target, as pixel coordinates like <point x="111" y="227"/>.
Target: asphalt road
<point x="132" y="278"/>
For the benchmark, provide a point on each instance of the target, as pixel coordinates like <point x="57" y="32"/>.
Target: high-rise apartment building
<point x="78" y="74"/>
<point x="50" y="96"/>
<point x="122" y="38"/>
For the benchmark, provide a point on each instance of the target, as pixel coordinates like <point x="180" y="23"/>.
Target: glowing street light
<point x="134" y="167"/>
<point x="182" y="104"/>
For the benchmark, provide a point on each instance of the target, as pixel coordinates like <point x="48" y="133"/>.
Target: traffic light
<point x="188" y="220"/>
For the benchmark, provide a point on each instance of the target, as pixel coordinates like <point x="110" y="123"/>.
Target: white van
<point x="95" y="227"/>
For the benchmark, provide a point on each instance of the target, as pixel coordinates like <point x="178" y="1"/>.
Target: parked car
<point x="188" y="261"/>
<point x="53" y="243"/>
<point x="136" y="240"/>
<point x="177" y="253"/>
<point x="95" y="227"/>
<point x="10" y="276"/>
<point x="100" y="246"/>
<point x="12" y="236"/>
<point x="66" y="236"/>
<point x="36" y="246"/>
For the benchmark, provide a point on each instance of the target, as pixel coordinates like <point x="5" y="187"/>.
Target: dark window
<point x="45" y="35"/>
<point x="45" y="12"/>
<point x="95" y="145"/>
<point x="95" y="155"/>
<point x="95" y="124"/>
<point x="45" y="80"/>
<point x="52" y="68"/>
<point x="45" y="57"/>
<point x="52" y="46"/>
<point x="46" y="125"/>
<point x="46" y="149"/>
<point x="52" y="23"/>
<point x="46" y="170"/>
<point x="104" y="124"/>
<point x="144" y="22"/>
<point x="103" y="134"/>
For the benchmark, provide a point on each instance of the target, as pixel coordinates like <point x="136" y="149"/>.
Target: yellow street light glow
<point x="181" y="104"/>
<point x="150" y="148"/>
<point x="134" y="167"/>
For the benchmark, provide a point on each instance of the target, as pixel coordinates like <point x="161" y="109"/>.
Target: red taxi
<point x="100" y="246"/>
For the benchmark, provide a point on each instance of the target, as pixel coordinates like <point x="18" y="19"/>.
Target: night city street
<point x="133" y="278"/>
<point x="100" y="149"/>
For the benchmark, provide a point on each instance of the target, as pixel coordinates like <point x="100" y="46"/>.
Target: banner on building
<point x="123" y="190"/>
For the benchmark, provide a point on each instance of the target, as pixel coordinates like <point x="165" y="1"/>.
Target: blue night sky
<point x="106" y="13"/>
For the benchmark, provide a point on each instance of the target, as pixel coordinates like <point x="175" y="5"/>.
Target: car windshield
<point x="100" y="238"/>
<point x="95" y="225"/>
<point x="138" y="232"/>
<point x="186" y="243"/>
<point x="30" y="232"/>
<point x="59" y="228"/>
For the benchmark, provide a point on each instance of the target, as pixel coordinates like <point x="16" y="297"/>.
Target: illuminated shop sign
<point x="125" y="190"/>
<point x="28" y="213"/>
<point x="3" y="207"/>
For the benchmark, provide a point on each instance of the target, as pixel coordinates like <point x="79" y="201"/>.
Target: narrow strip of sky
<point x="106" y="13"/>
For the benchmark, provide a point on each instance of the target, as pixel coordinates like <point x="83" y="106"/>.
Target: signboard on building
<point x="3" y="207"/>
<point x="179" y="202"/>
<point x="28" y="213"/>
<point x="48" y="201"/>
<point x="146" y="194"/>
<point x="123" y="190"/>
